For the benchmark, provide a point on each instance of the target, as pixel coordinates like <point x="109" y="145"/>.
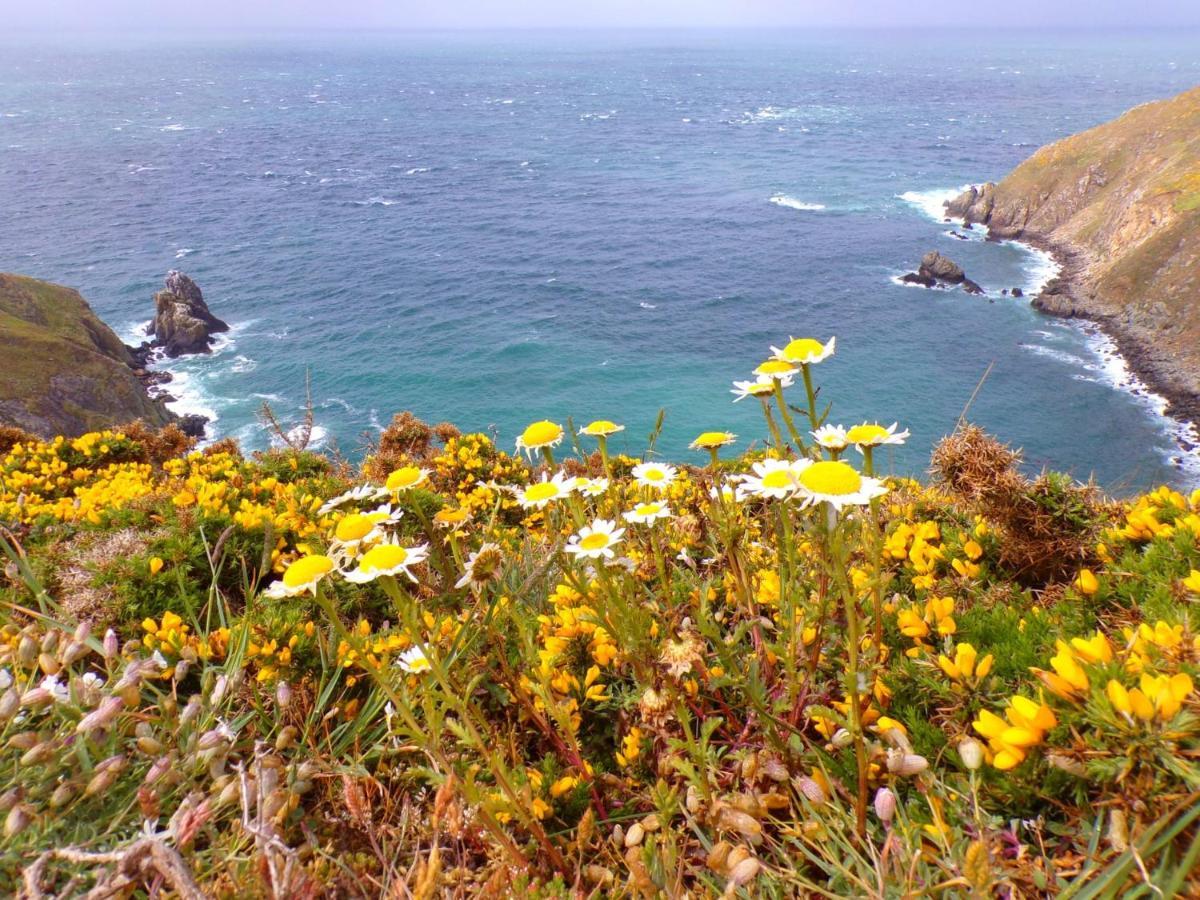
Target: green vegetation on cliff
<point x="64" y="371"/>
<point x="1122" y="202"/>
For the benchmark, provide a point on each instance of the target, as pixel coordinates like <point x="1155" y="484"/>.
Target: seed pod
<point x="83" y="631"/>
<point x="308" y="770"/>
<point x="102" y="716"/>
<point x="218" y="691"/>
<point x="906" y="764"/>
<point x="970" y="751"/>
<point x="811" y="789"/>
<point x="210" y="740"/>
<point x="18" y="820"/>
<point x="191" y="711"/>
<point x="718" y="856"/>
<point x="9" y="799"/>
<point x="24" y="740"/>
<point x="287" y="737"/>
<point x="229" y="793"/>
<point x="63" y="794"/>
<point x="74" y="651"/>
<point x="634" y="835"/>
<point x="181" y="669"/>
<point x="693" y="801"/>
<point x="27" y="652"/>
<point x="730" y="819"/>
<point x="130" y="694"/>
<point x="842" y="738"/>
<point x="50" y="641"/>
<point x="651" y="822"/>
<point x="160" y="768"/>
<point x="10" y="702"/>
<point x="36" y="698"/>
<point x="618" y="835"/>
<point x="111" y="644"/>
<point x="744" y="872"/>
<point x="149" y="803"/>
<point x="750" y="765"/>
<point x="150" y="746"/>
<point x="48" y="663"/>
<point x="283" y="695"/>
<point x="885" y="805"/>
<point x="736" y="855"/>
<point x="38" y="753"/>
<point x="598" y="875"/>
<point x="775" y="769"/>
<point x="301" y="786"/>
<point x="168" y="705"/>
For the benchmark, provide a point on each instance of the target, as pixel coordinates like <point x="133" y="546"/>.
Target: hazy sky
<point x="158" y="15"/>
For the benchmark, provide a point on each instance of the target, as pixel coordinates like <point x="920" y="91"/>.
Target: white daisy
<point x="539" y="435"/>
<point x="413" y="660"/>
<point x="406" y="478"/>
<point x="388" y="559"/>
<point x="538" y="494"/>
<point x="835" y="482"/>
<point x="646" y="513"/>
<point x="483" y="565"/>
<point x="356" y="494"/>
<point x="773" y="478"/>
<point x="595" y="540"/>
<point x="805" y="351"/>
<point x="775" y="369"/>
<point x="655" y="475"/>
<point x="872" y="434"/>
<point x="763" y="387"/>
<point x="591" y="487"/>
<point x="831" y="437"/>
<point x="302" y="577"/>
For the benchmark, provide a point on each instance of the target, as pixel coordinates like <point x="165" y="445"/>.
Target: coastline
<point x="1065" y="296"/>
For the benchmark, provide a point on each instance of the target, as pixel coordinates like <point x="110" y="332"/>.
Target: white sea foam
<point x="174" y="126"/>
<point x="184" y="251"/>
<point x="376" y="201"/>
<point x="645" y="305"/>
<point x="243" y="364"/>
<point x="793" y="203"/>
<point x="931" y="203"/>
<point x="417" y="170"/>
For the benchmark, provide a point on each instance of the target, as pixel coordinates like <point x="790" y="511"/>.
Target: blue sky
<point x="168" y="15"/>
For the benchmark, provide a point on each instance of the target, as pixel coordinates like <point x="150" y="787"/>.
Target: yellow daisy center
<point x="543" y="490"/>
<point x="383" y="557"/>
<point x="761" y="387"/>
<point x="307" y="569"/>
<point x="866" y="434"/>
<point x="540" y="434"/>
<point x="713" y="439"/>
<point x="647" y="509"/>
<point x="594" y="541"/>
<point x="803" y="349"/>
<point x="775" y="367"/>
<point x="404" y="477"/>
<point x="778" y="479"/>
<point x="601" y="428"/>
<point x="831" y="478"/>
<point x="654" y="474"/>
<point x="356" y="526"/>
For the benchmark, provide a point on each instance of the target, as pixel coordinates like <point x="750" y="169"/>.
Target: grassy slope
<point x="1127" y="195"/>
<point x="65" y="371"/>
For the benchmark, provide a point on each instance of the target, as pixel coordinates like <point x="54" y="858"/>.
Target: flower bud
<point x="111" y="644"/>
<point x="101" y="716"/>
<point x="885" y="805"/>
<point x="10" y="702"/>
<point x="283" y="694"/>
<point x="970" y="751"/>
<point x="842" y="738"/>
<point x="906" y="764"/>
<point x="18" y="820"/>
<point x="811" y="789"/>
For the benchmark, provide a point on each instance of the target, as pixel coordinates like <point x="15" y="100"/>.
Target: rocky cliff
<point x="182" y="321"/>
<point x="62" y="370"/>
<point x="1120" y="207"/>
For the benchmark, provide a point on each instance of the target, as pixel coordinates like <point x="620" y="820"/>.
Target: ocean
<point x="495" y="228"/>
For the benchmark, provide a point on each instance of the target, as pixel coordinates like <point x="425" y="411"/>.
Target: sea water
<point x="495" y="228"/>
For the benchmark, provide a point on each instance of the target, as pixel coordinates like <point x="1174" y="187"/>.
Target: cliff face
<point x="1120" y="204"/>
<point x="62" y="370"/>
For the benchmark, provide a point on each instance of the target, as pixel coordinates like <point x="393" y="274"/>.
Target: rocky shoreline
<point x="1067" y="296"/>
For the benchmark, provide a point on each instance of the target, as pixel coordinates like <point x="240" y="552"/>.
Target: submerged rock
<point x="183" y="322"/>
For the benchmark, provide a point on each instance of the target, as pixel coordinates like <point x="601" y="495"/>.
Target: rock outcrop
<point x="1119" y="206"/>
<point x="182" y="321"/>
<point x="936" y="269"/>
<point x="62" y="370"/>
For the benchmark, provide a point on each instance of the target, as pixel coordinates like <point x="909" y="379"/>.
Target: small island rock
<point x="182" y="320"/>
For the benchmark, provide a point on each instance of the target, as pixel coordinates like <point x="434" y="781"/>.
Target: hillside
<point x="1120" y="206"/>
<point x="65" y="371"/>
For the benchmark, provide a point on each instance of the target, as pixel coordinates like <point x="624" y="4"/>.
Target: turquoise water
<point x="493" y="228"/>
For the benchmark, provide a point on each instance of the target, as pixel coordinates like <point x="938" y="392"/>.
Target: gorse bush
<point x="567" y="672"/>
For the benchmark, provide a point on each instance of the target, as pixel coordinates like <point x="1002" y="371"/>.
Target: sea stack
<point x="936" y="269"/>
<point x="182" y="322"/>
